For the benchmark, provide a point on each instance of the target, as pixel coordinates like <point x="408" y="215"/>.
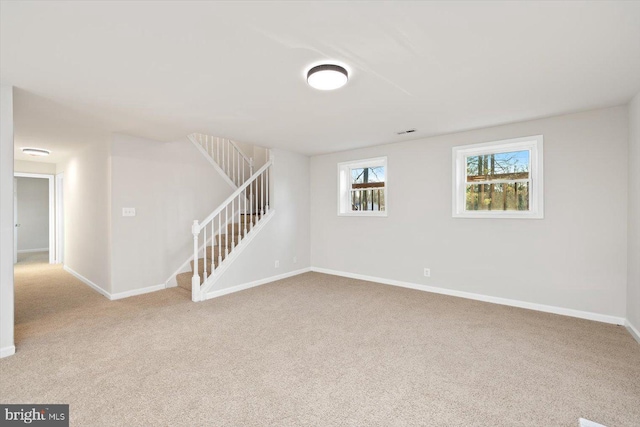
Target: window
<point x="362" y="187"/>
<point x="501" y="179"/>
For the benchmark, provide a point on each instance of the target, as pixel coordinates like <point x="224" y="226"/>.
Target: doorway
<point x="34" y="216"/>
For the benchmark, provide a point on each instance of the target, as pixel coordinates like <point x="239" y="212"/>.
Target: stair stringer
<point x="205" y="290"/>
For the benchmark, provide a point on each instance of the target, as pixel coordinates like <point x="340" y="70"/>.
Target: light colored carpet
<point x="33" y="257"/>
<point x="312" y="350"/>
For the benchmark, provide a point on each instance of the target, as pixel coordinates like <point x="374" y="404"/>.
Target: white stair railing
<point x="234" y="219"/>
<point x="227" y="155"/>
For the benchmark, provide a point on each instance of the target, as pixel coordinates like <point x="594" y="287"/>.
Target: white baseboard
<point x="135" y="292"/>
<point x="238" y="288"/>
<point x="587" y="423"/>
<point x="118" y="295"/>
<point x="635" y="333"/>
<point x="86" y="281"/>
<point x="26" y="251"/>
<point x="7" y="351"/>
<point x="495" y="300"/>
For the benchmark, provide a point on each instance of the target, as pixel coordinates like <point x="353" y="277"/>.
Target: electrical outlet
<point x="295" y="259"/>
<point x="277" y="263"/>
<point x="427" y="272"/>
<point x="128" y="211"/>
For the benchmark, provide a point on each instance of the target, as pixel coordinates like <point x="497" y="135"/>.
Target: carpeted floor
<point x="312" y="350"/>
<point x="33" y="257"/>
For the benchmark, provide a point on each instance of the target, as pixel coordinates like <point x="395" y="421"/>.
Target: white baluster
<point x="244" y="195"/>
<point x="233" y="218"/>
<point x="195" y="280"/>
<point x="239" y="219"/>
<point x="219" y="239"/>
<point x="213" y="235"/>
<point x="217" y="150"/>
<point x="226" y="236"/>
<point x="228" y="156"/>
<point x="242" y="218"/>
<point x="261" y="195"/>
<point x="251" y="203"/>
<point x="268" y="201"/>
<point x="257" y="197"/>
<point x="204" y="258"/>
<point x="223" y="155"/>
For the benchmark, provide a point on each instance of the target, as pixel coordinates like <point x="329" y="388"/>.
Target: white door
<point x="15" y="220"/>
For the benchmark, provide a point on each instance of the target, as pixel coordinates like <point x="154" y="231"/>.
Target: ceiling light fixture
<point x="36" y="151"/>
<point x="327" y="77"/>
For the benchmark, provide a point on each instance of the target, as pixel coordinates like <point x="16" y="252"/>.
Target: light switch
<point x="128" y="211"/>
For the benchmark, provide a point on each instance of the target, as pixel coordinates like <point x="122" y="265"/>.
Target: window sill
<point x="373" y="214"/>
<point x="500" y="215"/>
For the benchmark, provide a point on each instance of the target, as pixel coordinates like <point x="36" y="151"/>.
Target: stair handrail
<point x="260" y="210"/>
<point x="233" y="196"/>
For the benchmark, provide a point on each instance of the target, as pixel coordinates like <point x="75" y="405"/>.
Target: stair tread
<point x="184" y="280"/>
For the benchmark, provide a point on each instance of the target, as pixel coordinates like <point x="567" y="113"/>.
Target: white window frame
<point x="534" y="144"/>
<point x="344" y="186"/>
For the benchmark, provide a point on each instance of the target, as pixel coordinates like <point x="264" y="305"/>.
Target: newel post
<point x="195" y="280"/>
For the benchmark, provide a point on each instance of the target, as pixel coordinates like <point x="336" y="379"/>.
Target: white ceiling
<point x="164" y="69"/>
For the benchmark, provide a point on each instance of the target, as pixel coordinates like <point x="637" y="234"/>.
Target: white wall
<point x="34" y="167"/>
<point x="6" y="221"/>
<point x="633" y="283"/>
<point x="286" y="235"/>
<point x="169" y="185"/>
<point x="86" y="212"/>
<point x="576" y="257"/>
<point x="33" y="213"/>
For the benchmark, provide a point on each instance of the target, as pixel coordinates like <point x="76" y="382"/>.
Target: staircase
<point x="223" y="235"/>
<point x="219" y="251"/>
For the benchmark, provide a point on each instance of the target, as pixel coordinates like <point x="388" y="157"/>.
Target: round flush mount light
<point x="36" y="151"/>
<point x="327" y="77"/>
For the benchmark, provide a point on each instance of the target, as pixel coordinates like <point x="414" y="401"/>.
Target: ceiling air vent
<point x="406" y="131"/>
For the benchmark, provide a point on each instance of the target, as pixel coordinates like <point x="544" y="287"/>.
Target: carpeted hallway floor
<point x="33" y="258"/>
<point x="312" y="350"/>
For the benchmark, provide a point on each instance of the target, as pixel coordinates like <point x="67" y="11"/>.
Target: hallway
<point x="48" y="299"/>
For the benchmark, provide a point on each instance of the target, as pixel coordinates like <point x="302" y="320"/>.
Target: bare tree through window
<point x="498" y="181"/>
<point x="367" y="189"/>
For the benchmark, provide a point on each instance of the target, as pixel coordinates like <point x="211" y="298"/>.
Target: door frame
<point x="59" y="218"/>
<point x="52" y="230"/>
